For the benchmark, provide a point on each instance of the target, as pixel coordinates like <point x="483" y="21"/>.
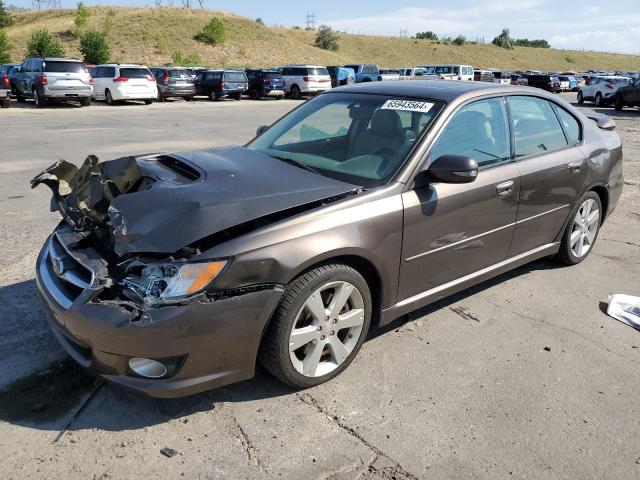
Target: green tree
<point x="5" y="48"/>
<point x="212" y="33"/>
<point x="459" y="40"/>
<point x="327" y="39"/>
<point x="428" y="35"/>
<point x="43" y="44"/>
<point x="260" y="21"/>
<point x="81" y="19"/>
<point x="94" y="47"/>
<point x="5" y="16"/>
<point x="503" y="40"/>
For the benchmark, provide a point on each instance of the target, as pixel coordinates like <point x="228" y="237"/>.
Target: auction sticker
<point x="407" y="105"/>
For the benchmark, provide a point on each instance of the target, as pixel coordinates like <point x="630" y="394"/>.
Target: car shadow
<point x="28" y="104"/>
<point x="62" y="394"/>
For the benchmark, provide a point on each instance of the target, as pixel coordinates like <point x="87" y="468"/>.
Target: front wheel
<point x="619" y="104"/>
<point x="5" y="103"/>
<point x="580" y="98"/>
<point x="581" y="232"/>
<point x="295" y="92"/>
<point x="598" y="100"/>
<point x="319" y="327"/>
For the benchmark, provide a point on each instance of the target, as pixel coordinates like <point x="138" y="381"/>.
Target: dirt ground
<point x="523" y="376"/>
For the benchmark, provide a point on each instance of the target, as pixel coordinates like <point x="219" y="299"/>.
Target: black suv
<point x="265" y="83"/>
<point x="217" y="84"/>
<point x="550" y="83"/>
<point x="628" y="96"/>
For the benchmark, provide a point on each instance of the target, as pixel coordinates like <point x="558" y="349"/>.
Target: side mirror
<point x="261" y="129"/>
<point x="453" y="169"/>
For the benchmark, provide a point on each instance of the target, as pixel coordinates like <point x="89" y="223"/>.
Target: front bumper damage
<point x="210" y="342"/>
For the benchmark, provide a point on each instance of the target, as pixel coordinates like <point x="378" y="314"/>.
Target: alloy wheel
<point x="585" y="226"/>
<point x="326" y="329"/>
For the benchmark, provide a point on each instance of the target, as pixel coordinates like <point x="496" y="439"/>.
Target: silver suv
<point x="46" y="78"/>
<point x="305" y="79"/>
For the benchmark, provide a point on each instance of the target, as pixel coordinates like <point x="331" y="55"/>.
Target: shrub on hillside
<point x="191" y="60"/>
<point x="43" y="44"/>
<point x="94" y="47"/>
<point x="212" y="33"/>
<point x="5" y="48"/>
<point x="503" y="40"/>
<point x="5" y="16"/>
<point x="81" y="19"/>
<point x="327" y="39"/>
<point x="428" y="35"/>
<point x="260" y="21"/>
<point x="459" y="40"/>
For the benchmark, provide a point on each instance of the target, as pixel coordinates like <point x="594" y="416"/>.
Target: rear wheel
<point x="582" y="231"/>
<point x="255" y="94"/>
<point x="38" y="101"/>
<point x="149" y="101"/>
<point x="598" y="99"/>
<point x="619" y="105"/>
<point x="6" y="102"/>
<point x="108" y="97"/>
<point x="85" y="102"/>
<point x="237" y="96"/>
<point x="580" y="98"/>
<point x="295" y="92"/>
<point x="319" y="327"/>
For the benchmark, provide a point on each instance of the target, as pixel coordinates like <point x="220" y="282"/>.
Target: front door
<point x="451" y="230"/>
<point x="552" y="167"/>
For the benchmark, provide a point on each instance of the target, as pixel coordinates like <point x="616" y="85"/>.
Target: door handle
<point x="505" y="188"/>
<point x="574" y="167"/>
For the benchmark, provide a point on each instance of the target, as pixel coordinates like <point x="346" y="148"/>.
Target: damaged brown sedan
<point x="174" y="273"/>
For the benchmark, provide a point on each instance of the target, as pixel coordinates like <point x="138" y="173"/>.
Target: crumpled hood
<point x="235" y="186"/>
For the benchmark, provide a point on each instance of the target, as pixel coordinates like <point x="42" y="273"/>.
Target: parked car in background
<point x="412" y="73"/>
<point x="602" y="90"/>
<point x="628" y="95"/>
<point x="217" y="84"/>
<point x="483" y="76"/>
<point x="503" y="78"/>
<point x="47" y="78"/>
<point x="341" y="75"/>
<point x="550" y="83"/>
<point x="568" y="83"/>
<point x="117" y="82"/>
<point x="449" y="72"/>
<point x="5" y="90"/>
<point x="173" y="82"/>
<point x="302" y="80"/>
<point x="265" y="83"/>
<point x="519" y="79"/>
<point x="365" y="72"/>
<point x="388" y="74"/>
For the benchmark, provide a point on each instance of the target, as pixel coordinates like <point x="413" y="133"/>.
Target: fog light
<point x="147" y="368"/>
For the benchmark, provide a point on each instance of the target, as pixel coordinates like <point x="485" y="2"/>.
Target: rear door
<point x="451" y="230"/>
<point x="552" y="165"/>
<point x="99" y="81"/>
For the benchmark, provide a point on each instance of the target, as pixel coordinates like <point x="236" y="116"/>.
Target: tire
<point x="570" y="249"/>
<point x="580" y="98"/>
<point x="255" y="95"/>
<point x="38" y="101"/>
<point x="108" y="97"/>
<point x="337" y="346"/>
<point x="148" y="101"/>
<point x="598" y="99"/>
<point x="350" y="81"/>
<point x="237" y="96"/>
<point x="6" y="103"/>
<point x="212" y="96"/>
<point x="85" y="102"/>
<point x="295" y="92"/>
<point x="279" y="97"/>
<point x="618" y="103"/>
<point x="159" y="96"/>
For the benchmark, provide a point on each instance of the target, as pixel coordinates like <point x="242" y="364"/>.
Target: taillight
<point x="43" y="79"/>
<point x="90" y="80"/>
<point x="151" y="78"/>
<point x="222" y="85"/>
<point x="120" y="79"/>
<point x="608" y="85"/>
<point x="459" y="77"/>
<point x="165" y="76"/>
<point x="306" y="79"/>
<point x="5" y="82"/>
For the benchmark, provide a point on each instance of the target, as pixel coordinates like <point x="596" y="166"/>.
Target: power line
<point x="311" y="20"/>
<point x="45" y="4"/>
<point x="403" y="33"/>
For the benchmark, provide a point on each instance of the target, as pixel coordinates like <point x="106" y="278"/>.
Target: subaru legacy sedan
<point x="175" y="273"/>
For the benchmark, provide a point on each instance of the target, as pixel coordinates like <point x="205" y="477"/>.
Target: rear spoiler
<point x="605" y="122"/>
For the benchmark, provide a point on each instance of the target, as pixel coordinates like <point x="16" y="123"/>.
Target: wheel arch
<point x="603" y="193"/>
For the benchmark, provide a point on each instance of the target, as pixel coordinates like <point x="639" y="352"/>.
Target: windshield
<point x="64" y="67"/>
<point x="357" y="138"/>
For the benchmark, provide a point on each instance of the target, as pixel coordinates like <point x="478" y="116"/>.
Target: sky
<point x="600" y="25"/>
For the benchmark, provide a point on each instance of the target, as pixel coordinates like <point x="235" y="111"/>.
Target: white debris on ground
<point x="625" y="308"/>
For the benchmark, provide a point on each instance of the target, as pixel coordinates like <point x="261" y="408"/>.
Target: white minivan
<point x="449" y="72"/>
<point x="116" y="82"/>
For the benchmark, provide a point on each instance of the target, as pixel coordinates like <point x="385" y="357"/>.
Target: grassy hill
<point x="152" y="35"/>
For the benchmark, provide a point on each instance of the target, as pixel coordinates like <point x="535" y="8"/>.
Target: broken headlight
<point x="155" y="284"/>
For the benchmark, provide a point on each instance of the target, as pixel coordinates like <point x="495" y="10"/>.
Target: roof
<point x="446" y="90"/>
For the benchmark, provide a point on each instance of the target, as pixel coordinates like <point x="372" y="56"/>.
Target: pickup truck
<point x="365" y="72"/>
<point x="45" y="78"/>
<point x="387" y="74"/>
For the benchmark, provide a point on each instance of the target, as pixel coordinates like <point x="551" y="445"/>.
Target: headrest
<point x="386" y="123"/>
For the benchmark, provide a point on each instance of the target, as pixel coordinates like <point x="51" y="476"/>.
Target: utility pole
<point x="403" y="33"/>
<point x="311" y="21"/>
<point x="45" y="4"/>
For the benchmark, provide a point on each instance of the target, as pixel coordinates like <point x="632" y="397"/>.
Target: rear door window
<point x="64" y="67"/>
<point x="536" y="127"/>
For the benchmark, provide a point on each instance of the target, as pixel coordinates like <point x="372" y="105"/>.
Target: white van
<point x="449" y="72"/>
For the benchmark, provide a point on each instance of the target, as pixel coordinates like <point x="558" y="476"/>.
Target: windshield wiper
<point x="295" y="163"/>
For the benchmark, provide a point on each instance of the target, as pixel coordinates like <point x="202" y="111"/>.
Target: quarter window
<point x="570" y="124"/>
<point x="478" y="130"/>
<point x="535" y="126"/>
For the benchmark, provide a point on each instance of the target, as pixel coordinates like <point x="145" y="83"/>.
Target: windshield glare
<point x="357" y="138"/>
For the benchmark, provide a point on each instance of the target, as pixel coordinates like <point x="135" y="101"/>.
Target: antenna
<point x="311" y="21"/>
<point x="45" y="4"/>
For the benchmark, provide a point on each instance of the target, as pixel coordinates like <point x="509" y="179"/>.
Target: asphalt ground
<point x="523" y="376"/>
